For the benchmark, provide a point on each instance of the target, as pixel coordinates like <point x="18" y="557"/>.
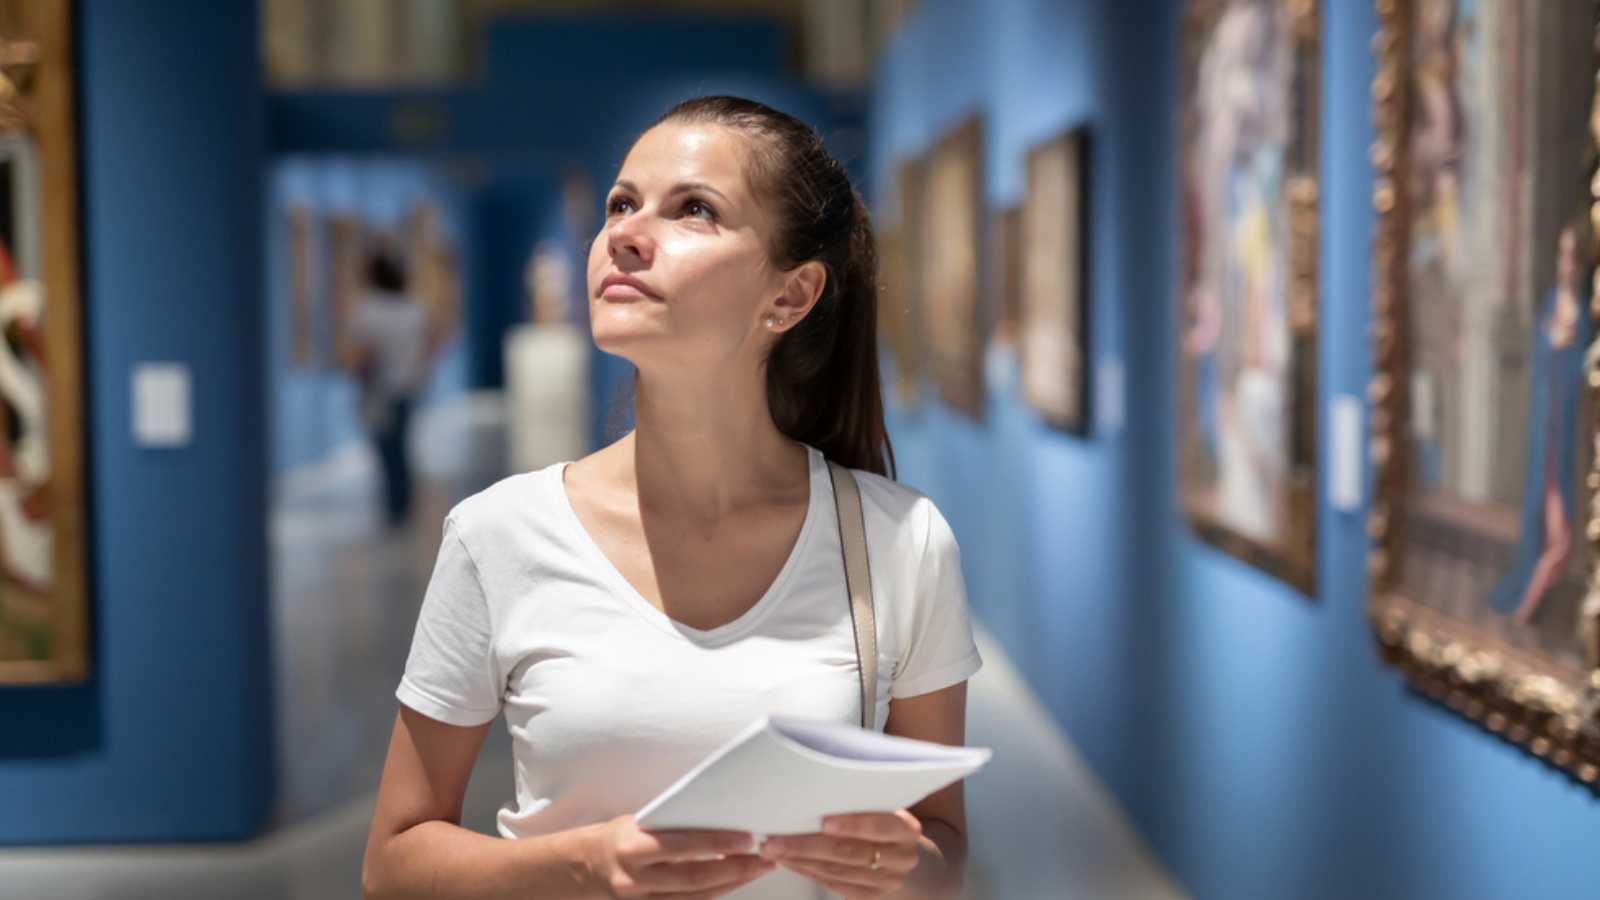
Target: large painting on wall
<point x="1247" y="357"/>
<point x="1485" y="514"/>
<point x="949" y="287"/>
<point x="43" y="567"/>
<point x="1054" y="329"/>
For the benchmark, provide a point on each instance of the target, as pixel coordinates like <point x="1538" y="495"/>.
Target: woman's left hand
<point x="858" y="856"/>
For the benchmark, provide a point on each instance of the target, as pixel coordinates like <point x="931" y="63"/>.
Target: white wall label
<point x="161" y="405"/>
<point x="1110" y="396"/>
<point x="1344" y="475"/>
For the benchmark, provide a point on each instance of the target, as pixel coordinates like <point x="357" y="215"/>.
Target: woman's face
<point x="679" y="273"/>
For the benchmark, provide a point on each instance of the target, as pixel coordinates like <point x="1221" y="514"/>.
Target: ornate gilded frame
<point x="1292" y="559"/>
<point x="1551" y="710"/>
<point x="36" y="65"/>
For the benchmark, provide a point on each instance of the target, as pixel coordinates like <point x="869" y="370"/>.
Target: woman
<point x="1549" y="503"/>
<point x="391" y="354"/>
<point x="630" y="611"/>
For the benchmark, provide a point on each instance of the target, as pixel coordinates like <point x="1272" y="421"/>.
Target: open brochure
<point x="782" y="775"/>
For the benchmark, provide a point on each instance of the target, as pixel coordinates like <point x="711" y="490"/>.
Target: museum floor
<point x="345" y="598"/>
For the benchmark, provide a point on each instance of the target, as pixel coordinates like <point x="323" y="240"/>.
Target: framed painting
<point x="1485" y="515"/>
<point x="44" y="590"/>
<point x="1054" y="327"/>
<point x="900" y="256"/>
<point x="1005" y="234"/>
<point x="1247" y="382"/>
<point x="951" y="241"/>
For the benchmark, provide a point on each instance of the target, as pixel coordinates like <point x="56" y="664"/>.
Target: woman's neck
<point x="701" y="451"/>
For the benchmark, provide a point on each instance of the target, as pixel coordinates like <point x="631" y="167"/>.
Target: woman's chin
<point x="620" y="338"/>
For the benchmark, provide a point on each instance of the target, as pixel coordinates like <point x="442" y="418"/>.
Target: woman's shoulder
<point x="509" y="504"/>
<point x="894" y="507"/>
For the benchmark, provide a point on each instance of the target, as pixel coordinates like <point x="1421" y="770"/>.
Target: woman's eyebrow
<point x="682" y="187"/>
<point x="685" y="187"/>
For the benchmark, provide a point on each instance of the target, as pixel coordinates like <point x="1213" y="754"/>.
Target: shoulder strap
<point x="858" y="575"/>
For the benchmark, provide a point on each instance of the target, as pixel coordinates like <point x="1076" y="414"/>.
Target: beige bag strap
<point x="858" y="575"/>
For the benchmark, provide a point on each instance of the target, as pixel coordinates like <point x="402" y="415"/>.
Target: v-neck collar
<point x="624" y="589"/>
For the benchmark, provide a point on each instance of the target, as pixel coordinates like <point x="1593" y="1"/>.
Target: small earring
<point x="773" y="321"/>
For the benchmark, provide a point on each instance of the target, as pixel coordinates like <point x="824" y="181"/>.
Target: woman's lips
<point x="624" y="287"/>
<point x="623" y="292"/>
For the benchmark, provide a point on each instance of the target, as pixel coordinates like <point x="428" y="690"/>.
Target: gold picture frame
<point x="44" y="586"/>
<point x="1445" y="553"/>
<point x="1247" y="369"/>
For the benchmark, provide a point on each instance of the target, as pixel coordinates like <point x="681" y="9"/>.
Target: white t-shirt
<point x="396" y="330"/>
<point x="609" y="701"/>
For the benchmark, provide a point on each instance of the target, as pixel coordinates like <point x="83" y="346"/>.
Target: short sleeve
<point x="451" y="674"/>
<point x="940" y="651"/>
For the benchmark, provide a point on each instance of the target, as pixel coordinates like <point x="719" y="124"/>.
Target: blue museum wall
<point x="170" y="740"/>
<point x="1253" y="734"/>
<point x="315" y="407"/>
<point x="1031" y="507"/>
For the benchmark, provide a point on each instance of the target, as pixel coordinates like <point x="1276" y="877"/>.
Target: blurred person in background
<point x="630" y="611"/>
<point x="388" y="347"/>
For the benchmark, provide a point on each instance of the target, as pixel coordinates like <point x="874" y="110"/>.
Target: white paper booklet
<point x="783" y="775"/>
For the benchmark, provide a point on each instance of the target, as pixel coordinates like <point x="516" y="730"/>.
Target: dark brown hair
<point x="822" y="375"/>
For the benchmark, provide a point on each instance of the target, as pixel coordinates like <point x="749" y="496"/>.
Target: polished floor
<point x="346" y="592"/>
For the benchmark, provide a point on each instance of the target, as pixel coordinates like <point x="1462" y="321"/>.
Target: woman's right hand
<point x="628" y="861"/>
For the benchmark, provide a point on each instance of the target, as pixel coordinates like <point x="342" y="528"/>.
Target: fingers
<point x="846" y="881"/>
<point x="684" y="845"/>
<point x="675" y="878"/>
<point x="851" y="853"/>
<point x="896" y="827"/>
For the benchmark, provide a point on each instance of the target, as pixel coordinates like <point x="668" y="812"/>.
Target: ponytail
<point x="823" y="387"/>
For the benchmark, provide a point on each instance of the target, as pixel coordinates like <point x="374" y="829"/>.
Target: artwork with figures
<point x="43" y="565"/>
<point x="951" y="235"/>
<point x="1485" y="427"/>
<point x="1247" y="373"/>
<point x="1054" y="332"/>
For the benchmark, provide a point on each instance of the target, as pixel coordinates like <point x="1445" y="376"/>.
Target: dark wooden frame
<point x="1075" y="144"/>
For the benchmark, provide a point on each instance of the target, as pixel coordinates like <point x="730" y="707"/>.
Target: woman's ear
<point x="801" y="289"/>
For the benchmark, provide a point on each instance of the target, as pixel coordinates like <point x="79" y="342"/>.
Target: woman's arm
<point x="417" y="847"/>
<point x="940" y="716"/>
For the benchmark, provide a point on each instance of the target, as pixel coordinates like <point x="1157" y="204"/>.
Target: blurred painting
<point x="302" y="224"/>
<point x="435" y="272"/>
<point x="1489" y="261"/>
<point x="951" y="235"/>
<point x="1053" y="331"/>
<point x="1005" y="227"/>
<point x="43" y="574"/>
<point x="900" y="257"/>
<point x="1247" y="373"/>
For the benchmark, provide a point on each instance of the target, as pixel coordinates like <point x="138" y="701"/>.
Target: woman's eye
<point x="618" y="205"/>
<point x="700" y="209"/>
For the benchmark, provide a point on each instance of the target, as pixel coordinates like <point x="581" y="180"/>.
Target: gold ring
<point x="874" y="866"/>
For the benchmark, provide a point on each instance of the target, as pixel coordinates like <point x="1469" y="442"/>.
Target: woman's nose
<point x="630" y="235"/>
